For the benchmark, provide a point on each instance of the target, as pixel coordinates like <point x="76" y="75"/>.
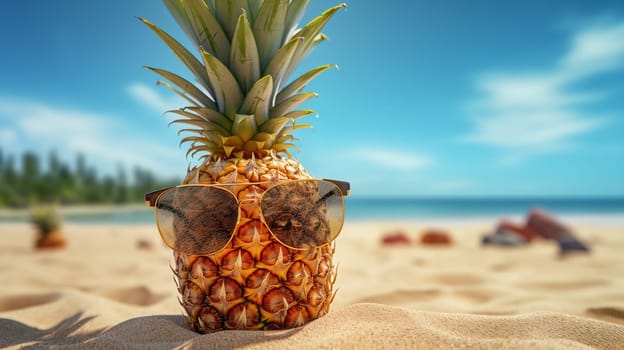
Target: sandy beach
<point x="111" y="288"/>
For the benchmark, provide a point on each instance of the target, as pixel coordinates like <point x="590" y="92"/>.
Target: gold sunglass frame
<point x="151" y="200"/>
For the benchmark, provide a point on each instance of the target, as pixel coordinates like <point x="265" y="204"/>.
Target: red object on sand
<point x="395" y="238"/>
<point x="436" y="237"/>
<point x="546" y="226"/>
<point x="523" y="231"/>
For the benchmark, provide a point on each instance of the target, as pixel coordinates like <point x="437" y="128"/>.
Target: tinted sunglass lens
<point x="197" y="220"/>
<point x="304" y="214"/>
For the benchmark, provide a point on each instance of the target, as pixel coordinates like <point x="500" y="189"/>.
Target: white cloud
<point x="538" y="130"/>
<point x="391" y="159"/>
<point x="532" y="113"/>
<point x="151" y="98"/>
<point x="598" y="48"/>
<point x="530" y="91"/>
<point x="106" y="140"/>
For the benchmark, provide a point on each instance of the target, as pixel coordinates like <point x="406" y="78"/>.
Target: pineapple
<point x="240" y="120"/>
<point x="48" y="221"/>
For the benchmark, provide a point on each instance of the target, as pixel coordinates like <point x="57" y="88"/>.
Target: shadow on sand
<point x="65" y="332"/>
<point x="155" y="332"/>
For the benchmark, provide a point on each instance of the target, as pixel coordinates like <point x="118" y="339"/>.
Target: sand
<point x="111" y="288"/>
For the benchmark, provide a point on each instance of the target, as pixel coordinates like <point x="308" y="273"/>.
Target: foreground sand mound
<point x="355" y="326"/>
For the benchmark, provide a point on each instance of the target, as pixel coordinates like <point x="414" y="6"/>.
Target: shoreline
<point x="139" y="214"/>
<point x="602" y="220"/>
<point x="599" y="220"/>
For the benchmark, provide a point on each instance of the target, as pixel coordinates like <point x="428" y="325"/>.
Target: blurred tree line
<point x="57" y="182"/>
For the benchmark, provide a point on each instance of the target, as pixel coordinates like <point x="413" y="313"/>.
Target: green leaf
<point x="287" y="130"/>
<point x="187" y="87"/>
<point x="178" y="92"/>
<point x="278" y="66"/>
<point x="265" y="137"/>
<point x="244" y="55"/>
<point x="234" y="141"/>
<point x="309" y="34"/>
<point x="296" y="10"/>
<point x="211" y="5"/>
<point x="300" y="83"/>
<point x="210" y="35"/>
<point x="205" y="125"/>
<point x="194" y="139"/>
<point x="319" y="39"/>
<point x="228" y="11"/>
<point x="201" y="124"/>
<point x="258" y="99"/>
<point x="183" y="54"/>
<point x="227" y="93"/>
<point x="244" y="126"/>
<point x="291" y="103"/>
<point x="254" y="7"/>
<point x="211" y="115"/>
<point x="204" y="138"/>
<point x="274" y="125"/>
<point x="268" y="28"/>
<point x="282" y="147"/>
<point x="208" y="148"/>
<point x="300" y="113"/>
<point x="195" y="131"/>
<point x="283" y="138"/>
<point x="177" y="10"/>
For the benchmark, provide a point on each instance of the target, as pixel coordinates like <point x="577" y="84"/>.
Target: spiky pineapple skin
<point x="255" y="282"/>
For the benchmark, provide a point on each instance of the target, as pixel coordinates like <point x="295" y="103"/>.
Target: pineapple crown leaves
<point x="46" y="218"/>
<point x="247" y="51"/>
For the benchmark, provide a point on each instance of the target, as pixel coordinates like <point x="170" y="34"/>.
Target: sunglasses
<point x="201" y="219"/>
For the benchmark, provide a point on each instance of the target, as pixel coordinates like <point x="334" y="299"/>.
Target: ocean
<point x="383" y="208"/>
<point x="421" y="208"/>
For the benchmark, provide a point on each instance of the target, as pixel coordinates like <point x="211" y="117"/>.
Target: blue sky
<point x="432" y="98"/>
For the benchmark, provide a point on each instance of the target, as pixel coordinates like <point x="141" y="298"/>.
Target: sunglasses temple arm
<point x="344" y="186"/>
<point x="150" y="198"/>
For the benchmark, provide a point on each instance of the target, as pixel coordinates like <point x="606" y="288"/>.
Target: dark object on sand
<point x="569" y="244"/>
<point x="395" y="238"/>
<point x="538" y="224"/>
<point x="508" y="234"/>
<point x="513" y="228"/>
<point x="504" y="238"/>
<point x="548" y="227"/>
<point x="436" y="237"/>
